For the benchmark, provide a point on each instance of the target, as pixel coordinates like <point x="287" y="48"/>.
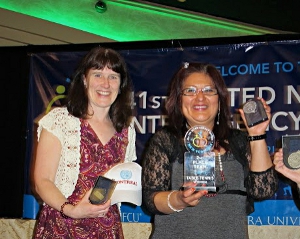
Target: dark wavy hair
<point x="120" y="111"/>
<point x="176" y="119"/>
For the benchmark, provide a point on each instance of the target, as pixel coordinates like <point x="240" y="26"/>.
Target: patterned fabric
<point x="96" y="159"/>
<point x="67" y="129"/>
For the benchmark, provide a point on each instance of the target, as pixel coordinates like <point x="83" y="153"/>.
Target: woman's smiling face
<point x="201" y="108"/>
<point x="103" y="87"/>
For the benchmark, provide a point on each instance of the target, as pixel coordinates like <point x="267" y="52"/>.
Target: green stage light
<point x="101" y="7"/>
<point x="128" y="20"/>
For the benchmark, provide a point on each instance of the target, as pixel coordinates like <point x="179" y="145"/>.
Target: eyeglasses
<point x="192" y="91"/>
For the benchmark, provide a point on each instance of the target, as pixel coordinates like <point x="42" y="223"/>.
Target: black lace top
<point x="164" y="151"/>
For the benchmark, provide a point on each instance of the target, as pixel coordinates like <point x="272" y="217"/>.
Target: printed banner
<point x="266" y="69"/>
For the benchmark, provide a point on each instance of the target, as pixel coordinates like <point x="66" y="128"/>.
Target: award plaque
<point x="254" y="112"/>
<point x="102" y="190"/>
<point x="291" y="151"/>
<point x="199" y="161"/>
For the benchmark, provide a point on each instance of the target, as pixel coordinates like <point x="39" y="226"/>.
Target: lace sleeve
<point x="156" y="168"/>
<point x="130" y="155"/>
<point x="262" y="185"/>
<point x="67" y="129"/>
<point x="259" y="185"/>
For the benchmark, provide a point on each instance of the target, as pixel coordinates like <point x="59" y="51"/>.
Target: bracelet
<point x="257" y="137"/>
<point x="169" y="204"/>
<point x="62" y="209"/>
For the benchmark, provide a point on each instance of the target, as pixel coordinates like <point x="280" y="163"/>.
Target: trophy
<point x="291" y="151"/>
<point x="254" y="112"/>
<point x="199" y="161"/>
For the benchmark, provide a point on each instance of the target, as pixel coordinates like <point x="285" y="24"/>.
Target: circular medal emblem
<point x="250" y="107"/>
<point x="294" y="160"/>
<point x="199" y="140"/>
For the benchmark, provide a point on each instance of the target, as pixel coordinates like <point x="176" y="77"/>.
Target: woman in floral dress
<point x="81" y="141"/>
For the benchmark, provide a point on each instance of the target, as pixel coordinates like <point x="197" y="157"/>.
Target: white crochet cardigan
<point x="66" y="128"/>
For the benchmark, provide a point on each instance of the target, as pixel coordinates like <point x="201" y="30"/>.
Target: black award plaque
<point x="254" y="112"/>
<point x="291" y="151"/>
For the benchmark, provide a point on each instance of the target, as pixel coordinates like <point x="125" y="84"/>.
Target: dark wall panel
<point x="14" y="87"/>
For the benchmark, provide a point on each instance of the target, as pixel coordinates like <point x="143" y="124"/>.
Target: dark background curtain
<point x="14" y="68"/>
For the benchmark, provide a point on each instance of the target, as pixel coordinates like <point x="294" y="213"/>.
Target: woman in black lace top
<point x="243" y="167"/>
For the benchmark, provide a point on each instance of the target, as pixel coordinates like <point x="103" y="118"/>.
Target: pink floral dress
<point x="96" y="159"/>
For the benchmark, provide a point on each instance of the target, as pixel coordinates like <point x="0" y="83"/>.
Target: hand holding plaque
<point x="291" y="151"/>
<point x="199" y="162"/>
<point x="102" y="190"/>
<point x="254" y="112"/>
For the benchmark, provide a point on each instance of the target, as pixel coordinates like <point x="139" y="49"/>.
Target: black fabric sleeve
<point x="259" y="185"/>
<point x="161" y="150"/>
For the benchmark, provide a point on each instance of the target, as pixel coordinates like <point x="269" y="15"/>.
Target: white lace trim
<point x="131" y="148"/>
<point x="67" y="129"/>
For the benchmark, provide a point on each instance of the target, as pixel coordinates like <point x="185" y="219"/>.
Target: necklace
<point x="219" y="160"/>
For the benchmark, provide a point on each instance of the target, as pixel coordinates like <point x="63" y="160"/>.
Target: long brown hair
<point x="77" y="101"/>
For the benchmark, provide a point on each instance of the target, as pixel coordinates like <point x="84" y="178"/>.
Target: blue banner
<point x="266" y="69"/>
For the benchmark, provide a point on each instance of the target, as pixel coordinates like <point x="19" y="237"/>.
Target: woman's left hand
<point x="84" y="209"/>
<point x="260" y="128"/>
